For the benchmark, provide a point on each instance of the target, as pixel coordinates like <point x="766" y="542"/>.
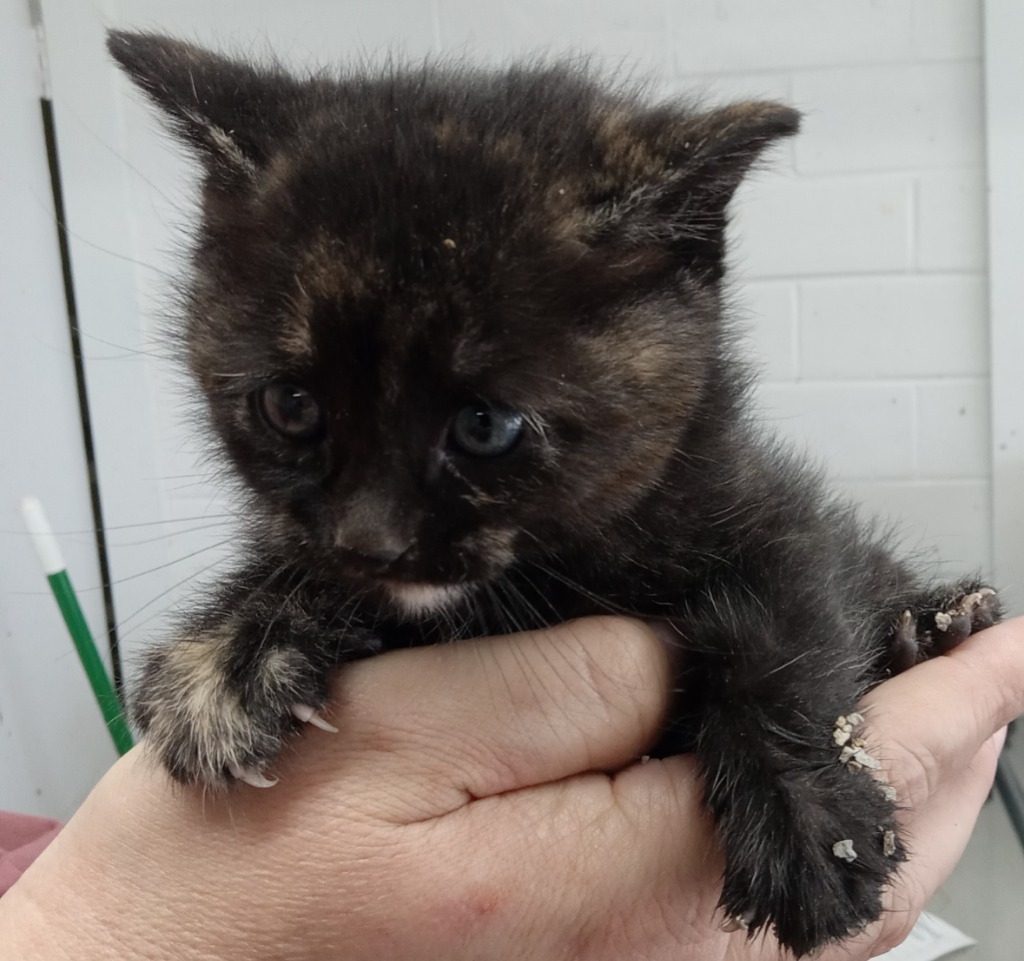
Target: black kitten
<point x="461" y="334"/>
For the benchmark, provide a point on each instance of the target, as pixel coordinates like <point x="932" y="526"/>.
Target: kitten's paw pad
<point x="309" y="715"/>
<point x="212" y="720"/>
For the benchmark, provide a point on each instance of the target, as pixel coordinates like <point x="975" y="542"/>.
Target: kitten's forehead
<point x="330" y="271"/>
<point x="346" y="297"/>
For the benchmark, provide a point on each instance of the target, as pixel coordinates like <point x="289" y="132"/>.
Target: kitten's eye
<point x="486" y="431"/>
<point x="290" y="410"/>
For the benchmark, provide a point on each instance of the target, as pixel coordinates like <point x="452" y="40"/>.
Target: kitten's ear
<point x="677" y="173"/>
<point x="715" y="150"/>
<point x="230" y="111"/>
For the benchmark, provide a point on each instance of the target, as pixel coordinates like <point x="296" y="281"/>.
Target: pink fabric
<point x="22" y="839"/>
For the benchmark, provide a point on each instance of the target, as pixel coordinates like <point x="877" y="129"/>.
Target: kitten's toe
<point x="904" y="644"/>
<point x="977" y="610"/>
<point x="968" y="609"/>
<point x="939" y="621"/>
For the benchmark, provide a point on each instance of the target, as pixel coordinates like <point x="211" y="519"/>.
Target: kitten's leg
<point x="808" y="829"/>
<point x="217" y="701"/>
<point x="936" y="620"/>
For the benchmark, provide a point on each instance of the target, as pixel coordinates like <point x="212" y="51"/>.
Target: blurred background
<point x="874" y="265"/>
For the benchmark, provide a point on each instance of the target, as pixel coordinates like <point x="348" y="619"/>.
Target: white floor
<point x="985" y="895"/>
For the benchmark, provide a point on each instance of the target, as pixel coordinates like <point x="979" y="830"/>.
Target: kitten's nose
<point x="381" y="558"/>
<point x="373" y="532"/>
<point x="374" y="554"/>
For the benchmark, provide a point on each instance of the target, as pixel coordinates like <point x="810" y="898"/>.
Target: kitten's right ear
<point x="230" y="111"/>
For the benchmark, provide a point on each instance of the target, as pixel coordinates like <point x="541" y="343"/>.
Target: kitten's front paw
<point x="812" y="861"/>
<point x="938" y="622"/>
<point x="211" y="717"/>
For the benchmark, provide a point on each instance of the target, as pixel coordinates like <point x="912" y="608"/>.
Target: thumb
<point x="491" y="715"/>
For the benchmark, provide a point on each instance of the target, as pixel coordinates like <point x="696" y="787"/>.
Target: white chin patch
<point x="418" y="600"/>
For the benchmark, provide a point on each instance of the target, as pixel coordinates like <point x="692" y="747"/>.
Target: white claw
<point x="250" y="775"/>
<point x="308" y="715"/>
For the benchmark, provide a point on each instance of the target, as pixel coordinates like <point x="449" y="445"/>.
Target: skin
<point x="464" y="813"/>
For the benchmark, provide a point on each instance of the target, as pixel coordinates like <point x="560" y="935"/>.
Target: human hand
<point x="459" y="816"/>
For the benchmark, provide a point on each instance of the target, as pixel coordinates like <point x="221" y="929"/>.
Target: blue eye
<point x="290" y="411"/>
<point x="484" y="430"/>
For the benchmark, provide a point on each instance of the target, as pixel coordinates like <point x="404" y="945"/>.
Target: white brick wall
<point x="862" y="260"/>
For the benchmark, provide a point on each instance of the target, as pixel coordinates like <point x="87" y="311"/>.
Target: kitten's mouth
<point x="421" y="599"/>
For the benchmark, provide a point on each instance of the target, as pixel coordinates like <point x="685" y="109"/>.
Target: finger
<point x="937" y="716"/>
<point x="496" y="714"/>
<point x="937" y="835"/>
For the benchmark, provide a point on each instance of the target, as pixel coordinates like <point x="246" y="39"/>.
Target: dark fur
<point x="403" y="242"/>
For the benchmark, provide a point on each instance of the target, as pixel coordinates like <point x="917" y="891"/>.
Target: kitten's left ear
<point x="231" y="111"/>
<point x="676" y="173"/>
<point x="715" y="150"/>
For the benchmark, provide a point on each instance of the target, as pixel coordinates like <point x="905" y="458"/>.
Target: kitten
<point x="461" y="334"/>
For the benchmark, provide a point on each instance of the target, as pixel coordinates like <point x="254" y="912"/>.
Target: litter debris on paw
<point x="970" y="602"/>
<point x="844" y="850"/>
<point x="943" y="620"/>
<point x="889" y="843"/>
<point x="856" y="758"/>
<point x="843" y="729"/>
